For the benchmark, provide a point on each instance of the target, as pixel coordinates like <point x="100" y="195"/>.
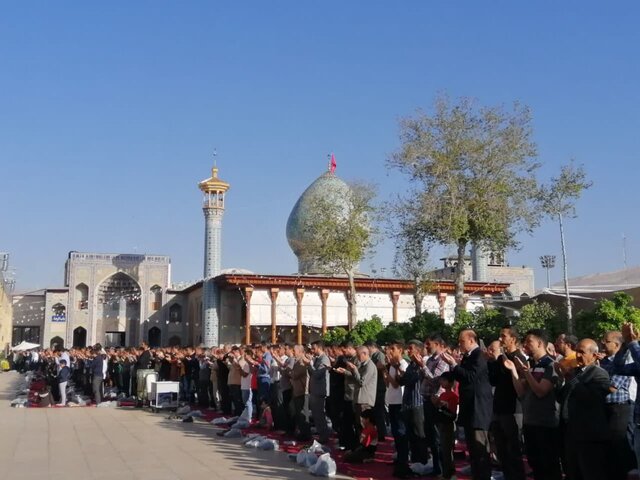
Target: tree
<point x="341" y="233"/>
<point x="558" y="200"/>
<point x="608" y="315"/>
<point x="486" y="322"/>
<point x="366" y="330"/>
<point x="472" y="172"/>
<point x="335" y="335"/>
<point x="412" y="259"/>
<point x="538" y="315"/>
<point x="419" y="327"/>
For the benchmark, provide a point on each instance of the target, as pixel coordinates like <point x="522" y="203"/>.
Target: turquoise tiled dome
<point x="327" y="184"/>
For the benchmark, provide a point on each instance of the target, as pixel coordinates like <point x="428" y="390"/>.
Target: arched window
<point x="59" y="313"/>
<point x="175" y="313"/>
<point x="82" y="296"/>
<point x="57" y="343"/>
<point x="156" y="297"/>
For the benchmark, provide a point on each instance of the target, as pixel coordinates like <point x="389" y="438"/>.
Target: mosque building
<point x="123" y="299"/>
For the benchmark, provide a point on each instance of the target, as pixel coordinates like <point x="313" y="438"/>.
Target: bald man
<point x="476" y="401"/>
<point x="584" y="415"/>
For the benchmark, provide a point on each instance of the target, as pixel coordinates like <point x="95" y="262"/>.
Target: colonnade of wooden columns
<point x="299" y="295"/>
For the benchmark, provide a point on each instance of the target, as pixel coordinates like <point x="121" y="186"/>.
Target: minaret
<point x="213" y="208"/>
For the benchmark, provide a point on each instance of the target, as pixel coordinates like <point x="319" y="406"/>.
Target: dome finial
<point x="214" y="170"/>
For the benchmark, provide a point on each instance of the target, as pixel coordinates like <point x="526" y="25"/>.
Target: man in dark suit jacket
<point x="476" y="402"/>
<point x="584" y="414"/>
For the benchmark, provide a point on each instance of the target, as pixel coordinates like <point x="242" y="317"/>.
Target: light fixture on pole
<point x="548" y="262"/>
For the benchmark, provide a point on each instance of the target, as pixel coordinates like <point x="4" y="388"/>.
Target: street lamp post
<point x="548" y="262"/>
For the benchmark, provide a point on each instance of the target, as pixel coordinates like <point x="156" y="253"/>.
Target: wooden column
<point x="442" y="299"/>
<point x="248" y="291"/>
<point x="324" y="295"/>
<point x="274" y="297"/>
<point x="394" y="301"/>
<point x="299" y="296"/>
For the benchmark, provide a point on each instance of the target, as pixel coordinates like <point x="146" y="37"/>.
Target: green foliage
<point x="608" y="315"/>
<point x="472" y="170"/>
<point x="486" y="322"/>
<point x="335" y="335"/>
<point x="366" y="330"/>
<point x="419" y="328"/>
<point x="539" y="315"/>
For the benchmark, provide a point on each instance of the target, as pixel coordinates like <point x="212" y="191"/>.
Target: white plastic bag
<point x="254" y="442"/>
<point x="306" y="459"/>
<point x="233" y="433"/>
<point x="269" y="444"/>
<point x="325" y="466"/>
<point x="315" y="447"/>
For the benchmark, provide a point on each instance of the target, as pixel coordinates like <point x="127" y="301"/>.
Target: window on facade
<point x="156" y="297"/>
<point x="25" y="334"/>
<point x="82" y="296"/>
<point x="175" y="313"/>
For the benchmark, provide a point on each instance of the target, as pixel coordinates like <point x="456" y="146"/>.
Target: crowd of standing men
<point x="567" y="408"/>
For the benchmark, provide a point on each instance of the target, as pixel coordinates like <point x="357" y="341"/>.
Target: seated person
<point x="368" y="440"/>
<point x="266" y="418"/>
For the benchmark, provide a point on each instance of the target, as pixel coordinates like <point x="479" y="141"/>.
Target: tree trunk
<point x="566" y="277"/>
<point x="418" y="297"/>
<point x="461" y="305"/>
<point x="351" y="300"/>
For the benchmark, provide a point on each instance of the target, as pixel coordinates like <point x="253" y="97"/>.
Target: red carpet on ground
<point x="380" y="469"/>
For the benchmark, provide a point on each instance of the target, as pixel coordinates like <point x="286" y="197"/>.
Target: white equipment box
<point x="164" y="395"/>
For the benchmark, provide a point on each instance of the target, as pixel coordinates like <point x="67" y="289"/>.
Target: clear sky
<point x="110" y="112"/>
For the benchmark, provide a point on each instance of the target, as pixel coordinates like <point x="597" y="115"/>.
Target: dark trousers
<point x="542" y="446"/>
<point x="479" y="452"/>
<point x="225" y="401"/>
<point x="620" y="457"/>
<point x="347" y="433"/>
<point x="287" y="403"/>
<point x="277" y="407"/>
<point x="97" y="389"/>
<point x="432" y="435"/>
<point x="447" y="433"/>
<point x="317" y="407"/>
<point x="399" y="432"/>
<point x="302" y="425"/>
<point x="506" y="435"/>
<point x="414" y="421"/>
<point x="203" y="393"/>
<point x="380" y="415"/>
<point x="235" y="395"/>
<point x="585" y="460"/>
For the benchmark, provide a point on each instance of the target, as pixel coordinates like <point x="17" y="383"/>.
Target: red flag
<point x="333" y="163"/>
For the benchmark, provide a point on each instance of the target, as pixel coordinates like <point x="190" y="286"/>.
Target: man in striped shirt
<point x="434" y="366"/>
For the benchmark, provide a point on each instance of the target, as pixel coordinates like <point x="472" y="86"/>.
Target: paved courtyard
<point x="115" y="444"/>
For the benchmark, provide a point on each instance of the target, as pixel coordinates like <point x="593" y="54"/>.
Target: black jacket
<point x="582" y="401"/>
<point x="476" y="399"/>
<point x="505" y="398"/>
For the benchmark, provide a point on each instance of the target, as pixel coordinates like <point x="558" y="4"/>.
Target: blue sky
<point x="109" y="113"/>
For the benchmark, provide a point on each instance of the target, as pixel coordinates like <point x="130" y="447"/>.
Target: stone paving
<point x="122" y="444"/>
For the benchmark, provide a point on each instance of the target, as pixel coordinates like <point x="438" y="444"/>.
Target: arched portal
<point x="118" y="309"/>
<point x="57" y="343"/>
<point x="80" y="337"/>
<point x="155" y="337"/>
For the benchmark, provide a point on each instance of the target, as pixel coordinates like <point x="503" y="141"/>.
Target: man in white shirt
<point x="393" y="398"/>
<point x="246" y="365"/>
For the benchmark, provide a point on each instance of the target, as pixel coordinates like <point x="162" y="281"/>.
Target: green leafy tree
<point x="558" y="202"/>
<point x="341" y="233"/>
<point x="335" y="335"/>
<point x="419" y="327"/>
<point x="539" y="315"/>
<point x="609" y="314"/>
<point x="486" y="322"/>
<point x="412" y="259"/>
<point x="472" y="173"/>
<point x="366" y="330"/>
